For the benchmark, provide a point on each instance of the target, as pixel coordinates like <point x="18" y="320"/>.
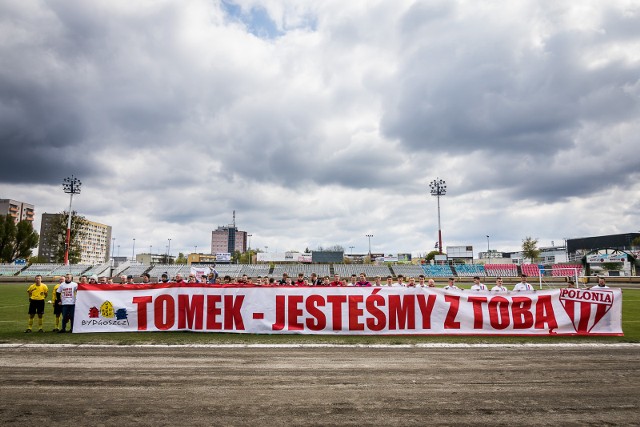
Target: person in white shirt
<point x="477" y="286"/>
<point x="431" y="283"/>
<point x="451" y="286"/>
<point x="499" y="287"/>
<point x="68" y="290"/>
<point x="400" y="281"/>
<point x="523" y="285"/>
<point x="601" y="284"/>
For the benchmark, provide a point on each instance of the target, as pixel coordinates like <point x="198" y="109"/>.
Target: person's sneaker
<point x="40" y="330"/>
<point x="27" y="331"/>
<point x="55" y="330"/>
<point x="61" y="331"/>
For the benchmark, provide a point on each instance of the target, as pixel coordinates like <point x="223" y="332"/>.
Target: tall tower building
<point x="18" y="210"/>
<point x="95" y="245"/>
<point x="228" y="239"/>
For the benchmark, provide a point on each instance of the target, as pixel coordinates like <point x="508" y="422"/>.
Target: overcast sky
<point x="322" y="121"/>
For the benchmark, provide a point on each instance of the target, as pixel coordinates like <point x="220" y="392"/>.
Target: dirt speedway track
<point x="120" y="385"/>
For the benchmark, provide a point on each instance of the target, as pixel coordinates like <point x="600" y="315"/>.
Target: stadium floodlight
<point x="71" y="185"/>
<point x="438" y="188"/>
<point x="488" y="252"/>
<point x="169" y="252"/>
<point x="369" y="236"/>
<point x="133" y="250"/>
<point x="351" y="248"/>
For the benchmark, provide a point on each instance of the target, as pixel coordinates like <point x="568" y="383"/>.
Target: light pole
<point x="438" y="188"/>
<point x="351" y="247"/>
<point x="150" y="257"/>
<point x="369" y="236"/>
<point x="169" y="252"/>
<point x="71" y="185"/>
<point x="133" y="250"/>
<point x="488" y="253"/>
<point x="113" y="247"/>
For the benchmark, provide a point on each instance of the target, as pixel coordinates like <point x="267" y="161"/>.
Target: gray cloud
<point x="321" y="122"/>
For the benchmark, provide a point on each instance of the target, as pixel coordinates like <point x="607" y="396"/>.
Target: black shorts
<point x="36" y="306"/>
<point x="57" y="308"/>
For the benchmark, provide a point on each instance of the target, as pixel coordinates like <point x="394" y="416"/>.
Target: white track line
<point x="277" y="346"/>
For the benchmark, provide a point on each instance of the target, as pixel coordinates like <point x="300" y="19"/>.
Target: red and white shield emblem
<point x="586" y="307"/>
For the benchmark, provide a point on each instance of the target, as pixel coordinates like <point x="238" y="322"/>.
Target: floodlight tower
<point x="488" y="252"/>
<point x="438" y="188"/>
<point x="369" y="236"/>
<point x="71" y="185"/>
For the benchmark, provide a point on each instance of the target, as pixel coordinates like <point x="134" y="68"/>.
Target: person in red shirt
<point x="300" y="281"/>
<point x="336" y="281"/>
<point x="363" y="280"/>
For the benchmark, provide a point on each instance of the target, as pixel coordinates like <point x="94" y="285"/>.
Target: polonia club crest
<point x="586" y="307"/>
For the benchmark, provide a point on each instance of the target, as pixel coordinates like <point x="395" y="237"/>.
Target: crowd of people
<point x="64" y="293"/>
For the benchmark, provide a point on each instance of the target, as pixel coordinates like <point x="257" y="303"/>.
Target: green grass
<point x="13" y="321"/>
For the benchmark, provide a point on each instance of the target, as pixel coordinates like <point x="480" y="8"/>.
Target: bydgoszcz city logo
<point x="106" y="314"/>
<point x="586" y="307"/>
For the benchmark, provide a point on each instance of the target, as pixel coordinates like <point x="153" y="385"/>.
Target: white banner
<point x="346" y="310"/>
<point x="199" y="270"/>
<point x="600" y="258"/>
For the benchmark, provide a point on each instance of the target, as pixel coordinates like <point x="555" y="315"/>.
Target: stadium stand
<point x="253" y="270"/>
<point x="469" y="270"/>
<point x="99" y="270"/>
<point x="293" y="269"/>
<point x="504" y="270"/>
<point x="530" y="270"/>
<point x="10" y="269"/>
<point x="437" y="270"/>
<point x="74" y="269"/>
<point x="562" y="270"/>
<point x="170" y="269"/>
<point x="41" y="269"/>
<point x="345" y="270"/>
<point x="136" y="270"/>
<point x="407" y="270"/>
<point x="233" y="270"/>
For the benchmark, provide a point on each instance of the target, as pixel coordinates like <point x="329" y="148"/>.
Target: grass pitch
<point x="14" y="304"/>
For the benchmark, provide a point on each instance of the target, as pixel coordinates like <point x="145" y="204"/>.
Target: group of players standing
<point x="421" y="281"/>
<point x="64" y="293"/>
<point x="63" y="300"/>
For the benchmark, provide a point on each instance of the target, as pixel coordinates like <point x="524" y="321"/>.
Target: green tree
<point x="530" y="249"/>
<point x="612" y="266"/>
<point x="431" y="255"/>
<point x="57" y="234"/>
<point x="16" y="241"/>
<point x="635" y="242"/>
<point x="247" y="257"/>
<point x="181" y="258"/>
